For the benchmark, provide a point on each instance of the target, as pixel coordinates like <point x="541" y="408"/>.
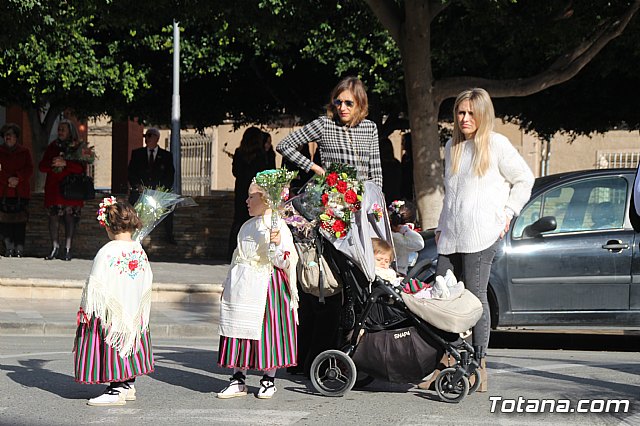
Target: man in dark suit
<point x="151" y="167"/>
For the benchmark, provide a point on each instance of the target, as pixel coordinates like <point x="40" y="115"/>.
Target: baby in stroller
<point x="447" y="287"/>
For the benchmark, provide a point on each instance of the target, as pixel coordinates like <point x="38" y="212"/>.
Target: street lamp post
<point x="175" y="111"/>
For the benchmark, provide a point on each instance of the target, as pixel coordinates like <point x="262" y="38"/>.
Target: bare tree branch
<point x="563" y="69"/>
<point x="390" y="15"/>
<point x="437" y="6"/>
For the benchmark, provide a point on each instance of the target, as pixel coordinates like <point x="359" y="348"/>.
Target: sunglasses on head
<point x="338" y="103"/>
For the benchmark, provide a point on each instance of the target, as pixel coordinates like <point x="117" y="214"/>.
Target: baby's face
<point x="382" y="260"/>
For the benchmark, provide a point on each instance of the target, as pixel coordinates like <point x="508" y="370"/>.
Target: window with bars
<point x="614" y="160"/>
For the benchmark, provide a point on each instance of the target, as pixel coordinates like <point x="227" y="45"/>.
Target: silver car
<point x="571" y="259"/>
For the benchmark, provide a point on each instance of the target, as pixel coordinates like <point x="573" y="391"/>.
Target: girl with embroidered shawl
<point x="258" y="312"/>
<point x="112" y="343"/>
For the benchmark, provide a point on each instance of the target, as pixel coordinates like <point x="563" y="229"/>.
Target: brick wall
<point x="201" y="232"/>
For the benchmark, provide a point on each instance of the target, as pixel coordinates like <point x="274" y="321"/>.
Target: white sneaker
<point x="112" y="396"/>
<point x="267" y="389"/>
<point x="130" y="394"/>
<point x="235" y="388"/>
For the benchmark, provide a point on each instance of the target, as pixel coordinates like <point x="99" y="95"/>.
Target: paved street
<point x="37" y="388"/>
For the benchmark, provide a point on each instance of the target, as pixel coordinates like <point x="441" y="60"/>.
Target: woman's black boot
<point x="53" y="255"/>
<point x="67" y="254"/>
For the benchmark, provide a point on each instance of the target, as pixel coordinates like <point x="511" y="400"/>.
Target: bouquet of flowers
<point x="82" y="153"/>
<point x="275" y="183"/>
<point x="376" y="209"/>
<point x="341" y="197"/>
<point x="153" y="206"/>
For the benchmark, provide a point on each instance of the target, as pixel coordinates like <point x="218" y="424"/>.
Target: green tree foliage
<point x="545" y="62"/>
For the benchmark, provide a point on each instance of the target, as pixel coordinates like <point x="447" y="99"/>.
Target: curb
<point x="39" y="288"/>
<point x="69" y="330"/>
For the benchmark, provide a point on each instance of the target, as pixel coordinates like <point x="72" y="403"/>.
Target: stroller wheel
<point x="474" y="381"/>
<point x="448" y="390"/>
<point x="333" y="373"/>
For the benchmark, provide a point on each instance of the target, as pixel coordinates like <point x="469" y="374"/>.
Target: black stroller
<point x="382" y="337"/>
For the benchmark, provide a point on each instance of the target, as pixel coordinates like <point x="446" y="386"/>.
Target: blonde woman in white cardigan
<point x="486" y="183"/>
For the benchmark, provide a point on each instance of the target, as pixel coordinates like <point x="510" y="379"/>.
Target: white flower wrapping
<point x="153" y="206"/>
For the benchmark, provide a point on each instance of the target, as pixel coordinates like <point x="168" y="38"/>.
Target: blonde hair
<point x="382" y="247"/>
<point x="359" y="92"/>
<point x="260" y="190"/>
<point x="484" y="115"/>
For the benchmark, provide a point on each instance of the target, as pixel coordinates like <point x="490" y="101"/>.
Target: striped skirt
<point x="97" y="362"/>
<point x="277" y="346"/>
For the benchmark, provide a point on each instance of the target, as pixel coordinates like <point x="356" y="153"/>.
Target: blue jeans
<point x="473" y="269"/>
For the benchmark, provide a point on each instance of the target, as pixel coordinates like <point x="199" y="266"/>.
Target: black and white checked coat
<point x="356" y="146"/>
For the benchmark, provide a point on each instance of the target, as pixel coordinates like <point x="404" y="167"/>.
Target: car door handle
<point x="615" y="245"/>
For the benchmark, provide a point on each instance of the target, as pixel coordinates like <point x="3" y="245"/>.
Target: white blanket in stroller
<point x="455" y="315"/>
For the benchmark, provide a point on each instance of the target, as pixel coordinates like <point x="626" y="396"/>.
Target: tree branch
<point x="437" y="6"/>
<point x="563" y="69"/>
<point x="390" y="15"/>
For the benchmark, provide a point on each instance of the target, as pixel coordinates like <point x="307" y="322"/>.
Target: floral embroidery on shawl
<point x="129" y="263"/>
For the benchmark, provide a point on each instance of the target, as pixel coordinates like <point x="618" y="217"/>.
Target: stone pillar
<point x="127" y="136"/>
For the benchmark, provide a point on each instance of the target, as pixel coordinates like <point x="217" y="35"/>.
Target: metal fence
<point x="613" y="160"/>
<point x="196" y="163"/>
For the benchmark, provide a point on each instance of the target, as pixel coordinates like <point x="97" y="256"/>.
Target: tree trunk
<point x="423" y="106"/>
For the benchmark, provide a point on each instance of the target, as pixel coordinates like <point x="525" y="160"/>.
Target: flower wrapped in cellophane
<point x="153" y="206"/>
<point x="275" y="183"/>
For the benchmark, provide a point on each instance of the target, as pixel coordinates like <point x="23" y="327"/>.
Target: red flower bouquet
<point x="341" y="197"/>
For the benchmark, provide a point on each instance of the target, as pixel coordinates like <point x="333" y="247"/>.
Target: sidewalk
<point x="41" y="297"/>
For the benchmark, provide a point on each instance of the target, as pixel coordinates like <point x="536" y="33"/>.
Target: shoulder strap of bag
<point x="318" y="243"/>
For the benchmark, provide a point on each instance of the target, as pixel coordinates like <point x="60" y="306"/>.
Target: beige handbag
<point x="309" y="272"/>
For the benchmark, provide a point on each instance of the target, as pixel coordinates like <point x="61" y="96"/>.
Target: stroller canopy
<point x="356" y="245"/>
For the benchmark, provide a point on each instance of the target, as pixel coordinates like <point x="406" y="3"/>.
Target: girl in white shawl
<point x="258" y="314"/>
<point x="112" y="343"/>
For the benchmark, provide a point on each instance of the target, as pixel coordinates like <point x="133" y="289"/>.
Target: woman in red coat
<point x="16" y="169"/>
<point x="56" y="163"/>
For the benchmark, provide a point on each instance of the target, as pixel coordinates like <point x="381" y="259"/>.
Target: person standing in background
<point x="57" y="164"/>
<point x="249" y="159"/>
<point x="16" y="169"/>
<point x="406" y="163"/>
<point x="152" y="167"/>
<point x="269" y="153"/>
<point x="406" y="241"/>
<point x="391" y="172"/>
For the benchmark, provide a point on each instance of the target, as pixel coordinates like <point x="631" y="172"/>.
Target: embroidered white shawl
<point x="118" y="291"/>
<point x="245" y="289"/>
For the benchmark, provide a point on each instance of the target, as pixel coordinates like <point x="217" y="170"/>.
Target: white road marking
<point x="32" y="354"/>
<point x="548" y="367"/>
<point x="212" y="415"/>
